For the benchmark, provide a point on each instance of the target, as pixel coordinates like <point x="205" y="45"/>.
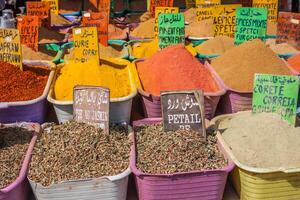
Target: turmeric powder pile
<point x="108" y="74"/>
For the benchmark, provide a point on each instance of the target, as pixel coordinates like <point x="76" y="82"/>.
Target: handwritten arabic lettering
<point x="183" y="104"/>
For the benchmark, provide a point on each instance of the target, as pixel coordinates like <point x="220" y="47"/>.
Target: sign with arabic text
<point x="288" y="28"/>
<point x="10" y="47"/>
<point x="270" y="5"/>
<point x="183" y="110"/>
<point x="99" y="20"/>
<point x="276" y="94"/>
<point x="224" y="20"/>
<point x="171" y="29"/>
<point x="162" y="10"/>
<point x="40" y="9"/>
<point x="86" y="47"/>
<point x="28" y="27"/>
<point x="159" y="3"/>
<point x="53" y="5"/>
<point x="91" y="106"/>
<point x="201" y="3"/>
<point x="251" y="23"/>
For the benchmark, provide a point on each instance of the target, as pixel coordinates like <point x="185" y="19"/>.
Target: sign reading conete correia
<point x="251" y="23"/>
<point x="171" y="29"/>
<point x="276" y="94"/>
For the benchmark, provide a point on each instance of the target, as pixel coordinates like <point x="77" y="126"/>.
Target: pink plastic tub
<point x="152" y="106"/>
<point x="18" y="190"/>
<point x="198" y="185"/>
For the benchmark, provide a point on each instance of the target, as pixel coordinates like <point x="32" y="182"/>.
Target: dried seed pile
<point x="14" y="142"/>
<point x="73" y="151"/>
<point x="160" y="152"/>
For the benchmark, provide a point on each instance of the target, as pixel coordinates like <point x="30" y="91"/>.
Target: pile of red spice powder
<point x="174" y="68"/>
<point x="17" y="85"/>
<point x="294" y="62"/>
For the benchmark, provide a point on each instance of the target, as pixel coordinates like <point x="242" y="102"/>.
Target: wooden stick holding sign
<point x="91" y="106"/>
<point x="183" y="110"/>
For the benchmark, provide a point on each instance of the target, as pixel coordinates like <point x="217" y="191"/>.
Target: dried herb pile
<point x="14" y="142"/>
<point x="160" y="152"/>
<point x="73" y="151"/>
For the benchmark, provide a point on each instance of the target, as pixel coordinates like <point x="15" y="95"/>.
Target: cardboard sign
<point x="91" y="106"/>
<point x="183" y="110"/>
<point x="53" y="5"/>
<point x="29" y="31"/>
<point x="40" y="9"/>
<point x="162" y="10"/>
<point x="276" y="94"/>
<point x="99" y="20"/>
<point x="190" y="3"/>
<point x="171" y="29"/>
<point x="10" y="46"/>
<point x="224" y="20"/>
<point x="159" y="3"/>
<point x="101" y="6"/>
<point x="251" y="23"/>
<point x="288" y="28"/>
<point x="86" y="45"/>
<point x="201" y="3"/>
<point x="270" y="5"/>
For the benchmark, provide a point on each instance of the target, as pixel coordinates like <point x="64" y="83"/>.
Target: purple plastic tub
<point x="28" y="111"/>
<point x="152" y="105"/>
<point x="198" y="185"/>
<point x="19" y="189"/>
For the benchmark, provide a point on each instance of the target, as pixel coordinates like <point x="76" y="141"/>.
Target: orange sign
<point x="99" y="20"/>
<point x="159" y="3"/>
<point x="29" y="31"/>
<point x="40" y="9"/>
<point x="103" y="5"/>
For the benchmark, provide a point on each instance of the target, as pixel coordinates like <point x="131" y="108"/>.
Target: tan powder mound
<point x="283" y="48"/>
<point x="237" y="66"/>
<point x="144" y="30"/>
<point x="271" y="28"/>
<point x="263" y="140"/>
<point x="42" y="54"/>
<point x="217" y="45"/>
<point x="145" y="16"/>
<point x="203" y="28"/>
<point x="190" y="15"/>
<point x="50" y="36"/>
<point x="115" y="32"/>
<point x="59" y="20"/>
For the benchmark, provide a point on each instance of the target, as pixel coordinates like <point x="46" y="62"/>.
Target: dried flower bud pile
<point x="14" y="142"/>
<point x="160" y="152"/>
<point x="73" y="151"/>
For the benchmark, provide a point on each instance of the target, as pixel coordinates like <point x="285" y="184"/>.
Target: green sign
<point x="170" y="29"/>
<point x="251" y="23"/>
<point x="276" y="94"/>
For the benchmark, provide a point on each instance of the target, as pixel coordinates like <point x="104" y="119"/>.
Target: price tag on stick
<point x="10" y="44"/>
<point x="183" y="110"/>
<point x="53" y="5"/>
<point x="91" y="106"/>
<point x="40" y="9"/>
<point x="28" y="27"/>
<point x="86" y="49"/>
<point x="171" y="29"/>
<point x="251" y="23"/>
<point x="276" y="94"/>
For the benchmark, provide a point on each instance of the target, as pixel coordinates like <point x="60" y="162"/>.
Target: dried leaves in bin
<point x="14" y="142"/>
<point x="73" y="151"/>
<point x="160" y="152"/>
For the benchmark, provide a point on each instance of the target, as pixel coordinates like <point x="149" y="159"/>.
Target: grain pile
<point x="144" y="30"/>
<point x="283" y="48"/>
<point x="200" y="29"/>
<point x="42" y="54"/>
<point x="217" y="45"/>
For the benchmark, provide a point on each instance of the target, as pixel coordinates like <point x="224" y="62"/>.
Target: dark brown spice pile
<point x="73" y="151"/>
<point x="14" y="143"/>
<point x="160" y="152"/>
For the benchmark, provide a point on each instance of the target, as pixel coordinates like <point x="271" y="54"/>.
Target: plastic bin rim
<point x="230" y="166"/>
<point x="199" y="38"/>
<point x="237" y="162"/>
<point x="47" y="87"/>
<point x="217" y="79"/>
<point x="25" y="164"/>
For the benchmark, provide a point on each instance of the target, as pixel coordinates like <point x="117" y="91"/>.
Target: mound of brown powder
<point x="217" y="45"/>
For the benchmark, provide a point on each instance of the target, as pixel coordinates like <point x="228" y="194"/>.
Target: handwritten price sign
<point x="162" y="10"/>
<point x="29" y="31"/>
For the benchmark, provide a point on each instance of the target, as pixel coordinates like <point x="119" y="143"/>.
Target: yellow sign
<point x="190" y="3"/>
<point x="205" y="12"/>
<point x="270" y="5"/>
<point x="200" y="3"/>
<point x="162" y="10"/>
<point x="53" y="6"/>
<point x="224" y="20"/>
<point x="10" y="46"/>
<point x="86" y="45"/>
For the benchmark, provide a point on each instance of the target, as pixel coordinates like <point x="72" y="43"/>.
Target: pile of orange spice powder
<point x="174" y="68"/>
<point x="294" y="62"/>
<point x="17" y="85"/>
